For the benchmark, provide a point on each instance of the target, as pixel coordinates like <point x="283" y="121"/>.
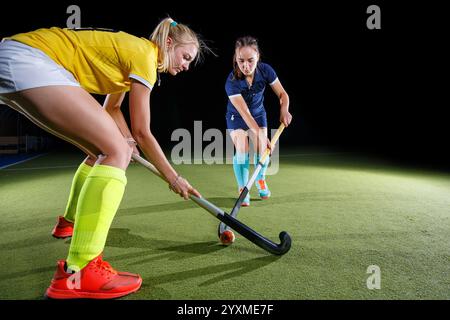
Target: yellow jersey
<point x="102" y="61"/>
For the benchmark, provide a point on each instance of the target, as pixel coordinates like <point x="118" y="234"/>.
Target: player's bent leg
<point x="260" y="182"/>
<point x="241" y="161"/>
<point x="64" y="225"/>
<point x="54" y="109"/>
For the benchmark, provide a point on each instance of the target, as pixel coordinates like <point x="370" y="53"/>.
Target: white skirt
<point x="24" y="67"/>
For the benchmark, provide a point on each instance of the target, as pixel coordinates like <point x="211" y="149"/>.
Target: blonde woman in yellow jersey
<point x="48" y="75"/>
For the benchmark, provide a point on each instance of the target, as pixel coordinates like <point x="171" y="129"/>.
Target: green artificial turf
<point x="343" y="212"/>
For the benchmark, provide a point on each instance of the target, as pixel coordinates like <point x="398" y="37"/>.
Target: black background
<point x="379" y="91"/>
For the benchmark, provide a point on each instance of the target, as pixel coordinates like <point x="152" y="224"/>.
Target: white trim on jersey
<point x="273" y="82"/>
<point x="142" y="80"/>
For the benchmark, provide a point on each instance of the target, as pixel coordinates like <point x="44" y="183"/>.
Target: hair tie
<point x="173" y="24"/>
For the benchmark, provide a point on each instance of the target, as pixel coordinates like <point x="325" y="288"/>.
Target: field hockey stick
<point x="247" y="232"/>
<point x="248" y="186"/>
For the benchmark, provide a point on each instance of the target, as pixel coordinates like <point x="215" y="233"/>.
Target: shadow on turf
<point x="219" y="272"/>
<point x="27" y="273"/>
<point x="161" y="249"/>
<point x="27" y="224"/>
<point x="227" y="203"/>
<point x="28" y="242"/>
<point x="221" y="202"/>
<point x="122" y="238"/>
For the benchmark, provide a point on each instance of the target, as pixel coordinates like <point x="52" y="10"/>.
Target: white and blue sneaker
<point x="263" y="189"/>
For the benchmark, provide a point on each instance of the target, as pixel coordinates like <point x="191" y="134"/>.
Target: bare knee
<point x="118" y="155"/>
<point x="240" y="140"/>
<point x="90" y="160"/>
<point x="242" y="147"/>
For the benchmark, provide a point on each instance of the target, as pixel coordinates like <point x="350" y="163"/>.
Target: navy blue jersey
<point x="253" y="95"/>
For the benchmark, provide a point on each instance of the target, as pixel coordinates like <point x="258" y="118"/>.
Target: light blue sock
<point x="263" y="189"/>
<point x="245" y="169"/>
<point x="238" y="164"/>
<point x="245" y="174"/>
<point x="262" y="173"/>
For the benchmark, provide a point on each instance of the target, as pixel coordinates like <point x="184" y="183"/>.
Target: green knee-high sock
<point x="99" y="200"/>
<point x="77" y="183"/>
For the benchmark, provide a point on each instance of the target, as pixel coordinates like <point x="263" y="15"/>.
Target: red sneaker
<point x="63" y="228"/>
<point x="98" y="280"/>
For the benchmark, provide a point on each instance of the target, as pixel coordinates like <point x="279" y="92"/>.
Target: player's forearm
<point x="241" y="107"/>
<point x="248" y="119"/>
<point x="120" y="121"/>
<point x="284" y="101"/>
<point x="251" y="123"/>
<point x="152" y="150"/>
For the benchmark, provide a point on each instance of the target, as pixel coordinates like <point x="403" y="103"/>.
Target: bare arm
<point x="241" y="106"/>
<point x="140" y="126"/>
<point x="285" y="116"/>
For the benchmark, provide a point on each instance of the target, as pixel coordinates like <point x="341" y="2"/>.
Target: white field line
<point x="75" y="166"/>
<point x="22" y="161"/>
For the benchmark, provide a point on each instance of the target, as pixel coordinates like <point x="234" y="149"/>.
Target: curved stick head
<point x="285" y="243"/>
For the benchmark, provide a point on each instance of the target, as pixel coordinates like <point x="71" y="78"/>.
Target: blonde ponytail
<point x="180" y="35"/>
